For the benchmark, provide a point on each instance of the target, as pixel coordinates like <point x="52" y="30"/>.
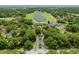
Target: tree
<point x="28" y="45"/>
<point x="51" y="43"/>
<point x="38" y="30"/>
<point x="3" y="44"/>
<point x="72" y="28"/>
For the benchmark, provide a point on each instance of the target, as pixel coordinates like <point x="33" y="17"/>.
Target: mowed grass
<point x="30" y="16"/>
<point x="47" y="16"/>
<point x="64" y="51"/>
<point x="7" y="19"/>
<point x="7" y="51"/>
<point x="12" y="51"/>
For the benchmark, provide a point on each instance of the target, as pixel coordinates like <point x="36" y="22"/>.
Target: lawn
<point x="8" y="19"/>
<point x="6" y="51"/>
<point x="64" y="51"/>
<point x="11" y="51"/>
<point x="47" y="16"/>
<point x="30" y="16"/>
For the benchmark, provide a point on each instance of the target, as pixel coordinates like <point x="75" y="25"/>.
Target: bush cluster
<point x="57" y="40"/>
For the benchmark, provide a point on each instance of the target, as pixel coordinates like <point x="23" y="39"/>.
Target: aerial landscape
<point x="39" y="29"/>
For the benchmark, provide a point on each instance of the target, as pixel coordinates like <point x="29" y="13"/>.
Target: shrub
<point x="32" y="35"/>
<point x="63" y="41"/>
<point x="53" y="32"/>
<point x="38" y="30"/>
<point x="28" y="45"/>
<point x="23" y="40"/>
<point x="27" y="21"/>
<point x="58" y="42"/>
<point x="10" y="45"/>
<point x="54" y="39"/>
<point x="51" y="43"/>
<point x="72" y="28"/>
<point x="14" y="42"/>
<point x="74" y="41"/>
<point x="23" y="31"/>
<point x="3" y="44"/>
<point x="61" y="21"/>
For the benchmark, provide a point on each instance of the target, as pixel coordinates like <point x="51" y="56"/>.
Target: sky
<point x="39" y="2"/>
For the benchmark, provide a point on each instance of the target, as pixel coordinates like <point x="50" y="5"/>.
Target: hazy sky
<point x="39" y="2"/>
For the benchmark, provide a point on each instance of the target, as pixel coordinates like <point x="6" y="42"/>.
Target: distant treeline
<point x="9" y="12"/>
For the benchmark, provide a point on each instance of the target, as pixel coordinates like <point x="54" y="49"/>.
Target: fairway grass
<point x="47" y="16"/>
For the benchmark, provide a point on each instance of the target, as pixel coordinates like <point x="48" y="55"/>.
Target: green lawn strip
<point x="11" y="51"/>
<point x="8" y="51"/>
<point x="64" y="51"/>
<point x="7" y="19"/>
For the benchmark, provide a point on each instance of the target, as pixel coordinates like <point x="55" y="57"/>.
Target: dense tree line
<point x="21" y="33"/>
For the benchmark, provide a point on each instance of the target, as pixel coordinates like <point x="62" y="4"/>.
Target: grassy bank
<point x="64" y="51"/>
